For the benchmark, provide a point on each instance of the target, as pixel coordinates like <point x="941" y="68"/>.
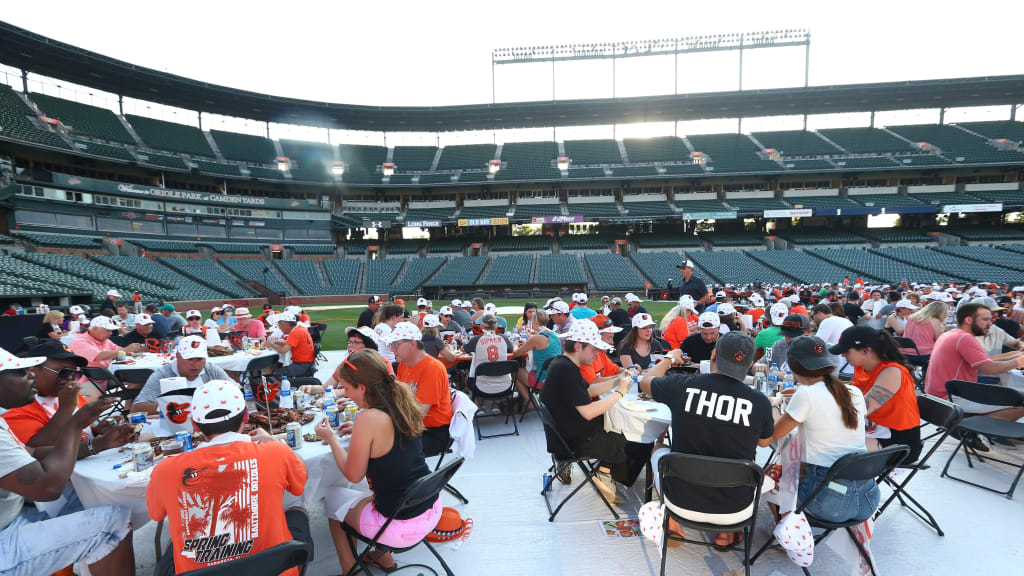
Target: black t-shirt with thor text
<point x="713" y="415"/>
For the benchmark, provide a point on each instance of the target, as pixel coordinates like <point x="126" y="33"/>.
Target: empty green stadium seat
<point x="987" y="254"/>
<point x="518" y="243"/>
<point x="584" y="242"/>
<point x="473" y="156"/>
<point x="459" y="272"/>
<point x="685" y="205"/>
<point x="416" y="273"/>
<point x="343" y="274"/>
<point x="380" y="274"/>
<point x="658" y="267"/>
<point x="251" y="270"/>
<point x="586" y="173"/>
<point x="886" y="200"/>
<point x="813" y="164"/>
<point x="303" y="274"/>
<point x="445" y="178"/>
<point x="161" y="160"/>
<point x="417" y="158"/>
<point x="949" y="265"/>
<point x="447" y="245"/>
<point x="405" y="246"/>
<point x="14" y="121"/>
<point x="512" y="270"/>
<point x="21" y="277"/>
<point x="718" y="238"/>
<point x="663" y="240"/>
<point x="757" y="204"/>
<point x="658" y="149"/>
<point x="595" y="209"/>
<point x="865" y="140"/>
<point x="99" y="274"/>
<point x="584" y="152"/>
<point x="313" y="248"/>
<point x="652" y="209"/>
<point x="531" y="210"/>
<point x="633" y="171"/>
<point x="804" y="267"/>
<point x="166" y="245"/>
<point x="734" y="268"/>
<point x="116" y="152"/>
<point x="956" y="144"/>
<point x="184" y="288"/>
<point x="815" y="202"/>
<point x="559" y="269"/>
<point x="310" y="161"/>
<point x="245" y="147"/>
<point x="985" y="233"/>
<point x="218" y="168"/>
<point x="60" y="240"/>
<point x="683" y="169"/>
<point x="878" y="266"/>
<point x="207" y="272"/>
<point x="612" y="272"/>
<point x="796" y="143"/>
<point x="447" y="213"/>
<point x="234" y="248"/>
<point x="484" y="211"/>
<point x="529" y="161"/>
<point x="732" y="153"/>
<point x="170" y="136"/>
<point x="995" y="129"/>
<point x="896" y="235"/>
<point x="865" y="162"/>
<point x="820" y="236"/>
<point x="265" y="173"/>
<point x="356" y="246"/>
<point x="84" y="119"/>
<point x="361" y="162"/>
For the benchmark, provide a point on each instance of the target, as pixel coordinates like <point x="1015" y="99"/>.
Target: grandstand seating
<point x="647" y="209"/>
<point x="356" y="246"/>
<point x="303" y="274"/>
<point x="518" y="243"/>
<point x="985" y="233"/>
<point x="530" y="210"/>
<point x="822" y="202"/>
<point x="218" y="168"/>
<point x="952" y="266"/>
<point x="98" y="149"/>
<point x="595" y="209"/>
<point x="865" y="140"/>
<point x="5" y="239"/>
<point x="813" y="164"/>
<point x="83" y="119"/>
<point x="1008" y="129"/>
<point x="559" y="269"/>
<point x="685" y="205"/>
<point x="170" y="136"/>
<point x="956" y="144"/>
<point x="612" y="272"/>
<point x="820" y="236"/>
<point x="734" y="268"/>
<point x="447" y="245"/>
<point x="658" y="267"/>
<point x="732" y="153"/>
<point x="796" y="143"/>
<point x="60" y="240"/>
<point x="896" y="235"/>
<point x="24" y="278"/>
<point x="244" y="147"/>
<point x="987" y="254"/>
<point x="380" y="274"/>
<point x="663" y="240"/>
<point x="361" y="162"/>
<point x="89" y="270"/>
<point x="721" y="238"/>
<point x="405" y="246"/>
<point x="400" y="179"/>
<point x="479" y="176"/>
<point x="251" y="269"/>
<point x="430" y="213"/>
<point x="757" y="204"/>
<point x="234" y="248"/>
<point x="923" y="160"/>
<point x="445" y="178"/>
<point x="313" y="248"/>
<point x="682" y="169"/>
<point x="419" y="158"/>
<point x="878" y="266"/>
<point x="416" y="273"/>
<point x="528" y="161"/>
<point x="459" y="272"/>
<point x="633" y="171"/>
<point x="265" y="173"/>
<point x="804" y="267"/>
<point x="941" y="198"/>
<point x="162" y="160"/>
<point x="500" y="211"/>
<point x="310" y="161"/>
<point x="584" y="152"/>
<point x="343" y="274"/>
<point x="659" y="149"/>
<point x="207" y="272"/>
<point x="886" y="200"/>
<point x="473" y="156"/>
<point x="584" y="242"/>
<point x="14" y="122"/>
<point x="865" y="162"/>
<point x="1007" y="197"/>
<point x="586" y="173"/>
<point x="511" y="270"/>
<point x="139" y="267"/>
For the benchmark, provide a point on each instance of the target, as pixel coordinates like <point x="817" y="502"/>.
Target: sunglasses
<point x="65" y="373"/>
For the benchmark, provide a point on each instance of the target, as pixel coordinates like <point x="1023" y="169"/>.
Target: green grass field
<point x="338" y="320"/>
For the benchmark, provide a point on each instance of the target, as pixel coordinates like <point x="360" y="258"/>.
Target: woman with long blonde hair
<point x="386" y="448"/>
<point x="679" y="322"/>
<point x="924" y="327"/>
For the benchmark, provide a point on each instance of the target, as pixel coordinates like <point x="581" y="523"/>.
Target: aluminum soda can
<point x="331" y="412"/>
<point x="547" y="478"/>
<point x="185" y="438"/>
<point x="137" y="418"/>
<point x="293" y="435"/>
<point x="352" y="410"/>
<point x="142" y="456"/>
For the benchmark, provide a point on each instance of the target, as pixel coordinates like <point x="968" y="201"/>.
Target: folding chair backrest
<point x="907" y="343"/>
<point x="427" y="488"/>
<point x="102" y="378"/>
<point x="499" y="368"/>
<point x="305" y="381"/>
<point x="270" y="562"/>
<point x="991" y="394"/>
<point x="134" y="375"/>
<point x="939" y="412"/>
<point x="708" y="471"/>
<point x="549" y="422"/>
<point x="261" y="363"/>
<point x="866" y="465"/>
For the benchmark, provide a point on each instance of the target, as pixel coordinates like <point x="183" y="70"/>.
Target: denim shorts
<point x="859" y="501"/>
<point x="33" y="545"/>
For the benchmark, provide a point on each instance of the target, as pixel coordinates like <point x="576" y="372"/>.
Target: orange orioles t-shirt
<point x="602" y="366"/>
<point x="429" y="382"/>
<point x="26" y="421"/>
<point x="223" y="500"/>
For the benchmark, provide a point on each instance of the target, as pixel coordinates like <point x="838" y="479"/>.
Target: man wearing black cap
<point x="692" y="285"/>
<point x="714" y="414"/>
<point x="366" y="316"/>
<point x="793" y="326"/>
<point x="40" y="423"/>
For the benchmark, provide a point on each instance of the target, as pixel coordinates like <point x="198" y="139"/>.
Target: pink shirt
<point x="88" y="347"/>
<point x="922" y="334"/>
<point x="256" y="330"/>
<point x="956" y="356"/>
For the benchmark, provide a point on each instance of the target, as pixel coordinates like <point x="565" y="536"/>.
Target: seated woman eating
<point x="882" y="375"/>
<point x="639" y="344"/>
<point x="831" y="416"/>
<point x="544" y="345"/>
<point x="386" y="448"/>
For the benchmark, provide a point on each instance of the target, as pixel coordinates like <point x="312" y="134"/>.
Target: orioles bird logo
<point x="819" y="348"/>
<point x="739" y="355"/>
<point x="267" y="392"/>
<point x="190" y="475"/>
<point x="178" y="413"/>
<point x="196" y="343"/>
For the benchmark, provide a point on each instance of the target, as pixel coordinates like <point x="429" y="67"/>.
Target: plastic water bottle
<point x="787" y="381"/>
<point x="329" y="399"/>
<point x="761" y="383"/>
<point x="773" y="379"/>
<point x="287" y="401"/>
<point x="250" y="399"/>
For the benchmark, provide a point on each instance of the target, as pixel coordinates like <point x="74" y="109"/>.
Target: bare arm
<point x="601" y="385"/>
<point x="783" y="427"/>
<point x="1002" y="363"/>
<point x="531" y="343"/>
<point x="659" y="369"/>
<point x="937" y="327"/>
<point x="885" y="387"/>
<point x="448" y="354"/>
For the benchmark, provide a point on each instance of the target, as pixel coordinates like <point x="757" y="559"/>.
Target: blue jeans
<point x="859" y="501"/>
<point x="34" y="545"/>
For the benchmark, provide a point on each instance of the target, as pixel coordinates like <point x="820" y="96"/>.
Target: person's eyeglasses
<point x="446" y="315"/>
<point x="64" y="373"/>
<point x="396" y="344"/>
<point x="352" y="342"/>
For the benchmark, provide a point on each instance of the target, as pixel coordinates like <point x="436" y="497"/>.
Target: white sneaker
<point x="606" y="485"/>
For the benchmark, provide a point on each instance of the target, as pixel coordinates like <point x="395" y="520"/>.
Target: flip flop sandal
<point x="734" y="539"/>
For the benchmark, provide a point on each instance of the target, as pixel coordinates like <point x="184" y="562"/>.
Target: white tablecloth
<point x="235" y="363"/>
<point x="644" y="427"/>
<point x="97" y="482"/>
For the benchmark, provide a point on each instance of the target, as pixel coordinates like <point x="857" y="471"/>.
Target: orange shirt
<point x="304" y="318"/>
<point x="602" y="366"/>
<point x="900" y="412"/>
<point x="676" y="332"/>
<point x="224" y="499"/>
<point x="301" y="343"/>
<point x="755" y="314"/>
<point x="26" y="421"/>
<point x="798" y="309"/>
<point x="429" y="382"/>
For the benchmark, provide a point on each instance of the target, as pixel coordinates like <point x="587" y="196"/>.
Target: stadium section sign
<point x="464" y="222"/>
<point x="423" y="223"/>
<point x="966" y="208"/>
<point x="717" y="215"/>
<point x="557" y="219"/>
<point x="799" y="213"/>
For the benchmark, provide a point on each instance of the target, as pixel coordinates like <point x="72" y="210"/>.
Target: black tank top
<point x="391" y="475"/>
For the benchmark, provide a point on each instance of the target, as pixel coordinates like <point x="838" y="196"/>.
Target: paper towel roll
<point x="173" y="383"/>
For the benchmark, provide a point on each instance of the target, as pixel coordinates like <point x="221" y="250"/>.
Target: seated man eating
<point x="190" y="364"/>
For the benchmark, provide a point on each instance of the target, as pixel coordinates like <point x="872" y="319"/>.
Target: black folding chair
<point x="270" y="562"/>
<point x="677" y="472"/>
<point x="587" y="465"/>
<point x="499" y="368"/>
<point x="137" y="376"/>
<point x="534" y="390"/>
<point x="426" y="489"/>
<point x="257" y="365"/>
<point x="945" y="416"/>
<point x="916" y="359"/>
<point x="859" y="466"/>
<point x="316" y="332"/>
<point x="110" y="386"/>
<point x="993" y="395"/>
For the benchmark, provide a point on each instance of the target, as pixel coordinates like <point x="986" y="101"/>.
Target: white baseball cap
<point x="456" y="303"/>
<point x="242" y="312"/>
<point x="404" y="331"/>
<point x="216" y="309"/>
<point x="724" y="309"/>
<point x="559" y="307"/>
<point x="686" y="302"/>
<point x="467" y="303"/>
<point x="906" y="304"/>
<point x="191" y="347"/>
<point x="778" y="313"/>
<point x="490" y="307"/>
<point x="214" y="396"/>
<point x="422" y="302"/>
<point x="613" y="329"/>
<point x="581" y="298"/>
<point x="632" y="298"/>
<point x="113" y="292"/>
<point x="365" y="331"/>
<point x="9" y="361"/>
<point x="642" y="321"/>
<point x="143" y="319"/>
<point x="285" y="317"/>
<point x="720" y="294"/>
<point x="586" y="332"/>
<point x="103" y="322"/>
<point x="756" y="300"/>
<point x="431" y="321"/>
<point x="294" y="310"/>
<point x="794" y="298"/>
<point x="575" y="295"/>
<point x="193" y="314"/>
<point x="76" y="310"/>
<point x="708" y="320"/>
<point x="446" y="310"/>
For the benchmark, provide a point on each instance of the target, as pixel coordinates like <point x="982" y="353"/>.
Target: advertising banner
<point x="557" y="219"/>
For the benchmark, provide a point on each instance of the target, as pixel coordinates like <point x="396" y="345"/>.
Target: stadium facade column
<point x="200" y="120"/>
<point x="1013" y="112"/>
<point x="24" y="81"/>
<point x="120" y="104"/>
